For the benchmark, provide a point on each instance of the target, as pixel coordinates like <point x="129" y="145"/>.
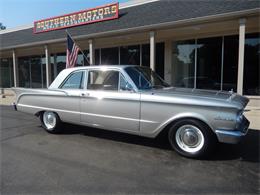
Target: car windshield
<point x="145" y="78"/>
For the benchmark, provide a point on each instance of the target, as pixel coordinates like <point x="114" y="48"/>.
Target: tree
<point x="2" y="27"/>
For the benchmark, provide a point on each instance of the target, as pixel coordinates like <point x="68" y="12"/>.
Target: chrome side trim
<point x="85" y="113"/>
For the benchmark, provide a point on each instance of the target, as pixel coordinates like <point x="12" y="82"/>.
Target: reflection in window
<point x="97" y="56"/>
<point x="80" y="60"/>
<point x="24" y="72"/>
<point x="6" y="72"/>
<point x="53" y="66"/>
<point x="144" y="78"/>
<point x="209" y="55"/>
<point x="130" y="55"/>
<point x="159" y="59"/>
<point x="251" y="65"/>
<point x="230" y="66"/>
<point x="146" y="55"/>
<point x="61" y="62"/>
<point x="86" y="59"/>
<point x="32" y="72"/>
<point x="209" y="63"/>
<point x="75" y="81"/>
<point x="124" y="85"/>
<point x="36" y="72"/>
<point x="109" y="56"/>
<point x="183" y="63"/>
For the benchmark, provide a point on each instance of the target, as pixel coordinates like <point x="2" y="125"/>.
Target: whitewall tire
<point x="50" y="121"/>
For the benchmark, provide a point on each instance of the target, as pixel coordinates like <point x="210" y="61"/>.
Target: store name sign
<point x="107" y="12"/>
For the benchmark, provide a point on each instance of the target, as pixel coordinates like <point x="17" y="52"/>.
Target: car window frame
<point x="69" y="75"/>
<point x="120" y="70"/>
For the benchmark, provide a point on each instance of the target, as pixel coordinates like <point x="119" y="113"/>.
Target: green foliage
<point x="2" y="27"/>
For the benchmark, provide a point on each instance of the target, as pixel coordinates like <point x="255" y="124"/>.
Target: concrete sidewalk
<point x="252" y="110"/>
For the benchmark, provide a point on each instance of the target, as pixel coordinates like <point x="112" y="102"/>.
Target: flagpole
<point x="78" y="47"/>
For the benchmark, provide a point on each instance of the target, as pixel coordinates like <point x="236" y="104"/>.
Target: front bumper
<point x="233" y="136"/>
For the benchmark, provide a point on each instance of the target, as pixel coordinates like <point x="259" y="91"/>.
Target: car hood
<point x="210" y="96"/>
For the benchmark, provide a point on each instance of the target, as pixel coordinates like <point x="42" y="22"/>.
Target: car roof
<point x="64" y="73"/>
<point x="102" y="66"/>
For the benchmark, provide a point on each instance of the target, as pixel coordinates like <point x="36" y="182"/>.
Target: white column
<point x="91" y="52"/>
<point x="15" y="69"/>
<point x="168" y="61"/>
<point x="48" y="67"/>
<point x="152" y="50"/>
<point x="240" y="76"/>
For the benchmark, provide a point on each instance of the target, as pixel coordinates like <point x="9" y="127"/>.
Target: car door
<point x="108" y="103"/>
<point x="68" y="105"/>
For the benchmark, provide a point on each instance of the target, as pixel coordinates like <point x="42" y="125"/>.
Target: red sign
<point x="107" y="12"/>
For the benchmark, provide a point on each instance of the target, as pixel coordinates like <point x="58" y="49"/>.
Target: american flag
<point x="72" y="52"/>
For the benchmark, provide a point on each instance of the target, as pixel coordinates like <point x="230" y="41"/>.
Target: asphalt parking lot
<point x="92" y="161"/>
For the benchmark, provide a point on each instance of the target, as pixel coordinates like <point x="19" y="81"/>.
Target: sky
<point x="15" y="13"/>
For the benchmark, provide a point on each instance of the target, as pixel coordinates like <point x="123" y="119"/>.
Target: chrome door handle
<point x="84" y="94"/>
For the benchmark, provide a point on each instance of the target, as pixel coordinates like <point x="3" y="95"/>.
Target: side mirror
<point x="129" y="87"/>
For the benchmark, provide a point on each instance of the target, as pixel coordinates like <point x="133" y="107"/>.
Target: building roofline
<point x="124" y="5"/>
<point x="243" y="13"/>
<point x="14" y="29"/>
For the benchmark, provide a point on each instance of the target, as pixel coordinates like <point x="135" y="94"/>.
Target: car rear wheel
<point x="191" y="138"/>
<point x="50" y="122"/>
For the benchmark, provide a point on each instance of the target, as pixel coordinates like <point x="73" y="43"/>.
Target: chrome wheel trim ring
<point x="49" y="120"/>
<point x="189" y="138"/>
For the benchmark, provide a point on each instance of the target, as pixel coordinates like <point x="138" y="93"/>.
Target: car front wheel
<point x="191" y="138"/>
<point x="50" y="122"/>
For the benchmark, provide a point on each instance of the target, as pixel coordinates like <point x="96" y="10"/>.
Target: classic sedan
<point x="135" y="100"/>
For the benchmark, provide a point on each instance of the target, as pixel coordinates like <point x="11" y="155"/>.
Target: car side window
<point x="124" y="84"/>
<point x="74" y="81"/>
<point x="103" y="80"/>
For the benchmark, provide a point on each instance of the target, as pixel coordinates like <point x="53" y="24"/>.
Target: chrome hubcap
<point x="49" y="120"/>
<point x="189" y="138"/>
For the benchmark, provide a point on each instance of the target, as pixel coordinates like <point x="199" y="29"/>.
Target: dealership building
<point x="194" y="44"/>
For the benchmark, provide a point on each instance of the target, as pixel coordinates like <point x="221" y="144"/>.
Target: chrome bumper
<point x="15" y="107"/>
<point x="233" y="136"/>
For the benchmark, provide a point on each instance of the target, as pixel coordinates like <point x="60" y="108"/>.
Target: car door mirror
<point x="129" y="87"/>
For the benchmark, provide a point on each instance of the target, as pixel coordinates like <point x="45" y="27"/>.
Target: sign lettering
<point x="107" y="12"/>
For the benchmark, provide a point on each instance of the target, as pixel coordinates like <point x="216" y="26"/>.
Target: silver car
<point x="133" y="99"/>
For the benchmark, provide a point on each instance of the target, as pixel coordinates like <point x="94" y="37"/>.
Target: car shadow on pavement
<point x="159" y="142"/>
<point x="247" y="150"/>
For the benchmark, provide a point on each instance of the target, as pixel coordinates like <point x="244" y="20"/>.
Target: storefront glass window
<point x="209" y="63"/>
<point x="80" y="60"/>
<point x="230" y="66"/>
<point x="53" y="66"/>
<point x="130" y="55"/>
<point x="61" y="62"/>
<point x="43" y="68"/>
<point x="24" y="69"/>
<point x="97" y="56"/>
<point x="32" y="72"/>
<point x="252" y="65"/>
<point x="6" y="73"/>
<point x="146" y="55"/>
<point x="36" y="72"/>
<point x="109" y="56"/>
<point x="86" y="58"/>
<point x="183" y="63"/>
<point x="159" y="59"/>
